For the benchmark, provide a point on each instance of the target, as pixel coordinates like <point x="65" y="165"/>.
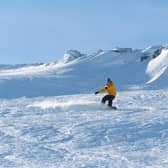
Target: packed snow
<point x="77" y="131"/>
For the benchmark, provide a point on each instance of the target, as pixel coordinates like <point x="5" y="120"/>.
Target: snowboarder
<point x="111" y="90"/>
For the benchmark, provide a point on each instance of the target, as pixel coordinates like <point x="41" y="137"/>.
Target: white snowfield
<point x="32" y="70"/>
<point x="81" y="73"/>
<point x="78" y="132"/>
<point x="51" y="118"/>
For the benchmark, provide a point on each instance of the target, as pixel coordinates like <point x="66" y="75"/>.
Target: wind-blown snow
<point x="56" y="103"/>
<point x="42" y="69"/>
<point x="78" y="132"/>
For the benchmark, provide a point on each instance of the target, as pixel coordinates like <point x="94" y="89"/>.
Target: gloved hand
<point x="96" y="93"/>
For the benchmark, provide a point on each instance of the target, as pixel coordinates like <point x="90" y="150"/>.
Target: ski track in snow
<point x="76" y="131"/>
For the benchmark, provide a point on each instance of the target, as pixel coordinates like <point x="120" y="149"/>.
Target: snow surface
<point x="30" y="70"/>
<point x="158" y="66"/>
<point x="50" y="118"/>
<point x="77" y="131"/>
<point x="81" y="73"/>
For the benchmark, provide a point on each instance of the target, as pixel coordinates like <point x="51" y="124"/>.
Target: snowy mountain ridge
<point x="129" y="68"/>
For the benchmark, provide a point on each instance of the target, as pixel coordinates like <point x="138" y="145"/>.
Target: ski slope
<point x="83" y="73"/>
<point x="77" y="131"/>
<point x="49" y="116"/>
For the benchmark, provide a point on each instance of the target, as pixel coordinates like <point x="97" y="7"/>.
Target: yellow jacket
<point x="109" y="88"/>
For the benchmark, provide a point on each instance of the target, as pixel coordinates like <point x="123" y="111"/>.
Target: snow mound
<point x="71" y="55"/>
<point x="31" y="70"/>
<point x="157" y="66"/>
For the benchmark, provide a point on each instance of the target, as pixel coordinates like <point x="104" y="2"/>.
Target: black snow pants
<point x="108" y="98"/>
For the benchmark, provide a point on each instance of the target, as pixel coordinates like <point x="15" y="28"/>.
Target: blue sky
<point x="42" y="30"/>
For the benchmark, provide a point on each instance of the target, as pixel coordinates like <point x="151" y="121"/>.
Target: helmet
<point x="109" y="80"/>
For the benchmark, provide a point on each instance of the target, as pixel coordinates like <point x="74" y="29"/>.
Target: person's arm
<point x="103" y="90"/>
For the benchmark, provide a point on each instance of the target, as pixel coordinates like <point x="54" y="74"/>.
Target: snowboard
<point x="113" y="107"/>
